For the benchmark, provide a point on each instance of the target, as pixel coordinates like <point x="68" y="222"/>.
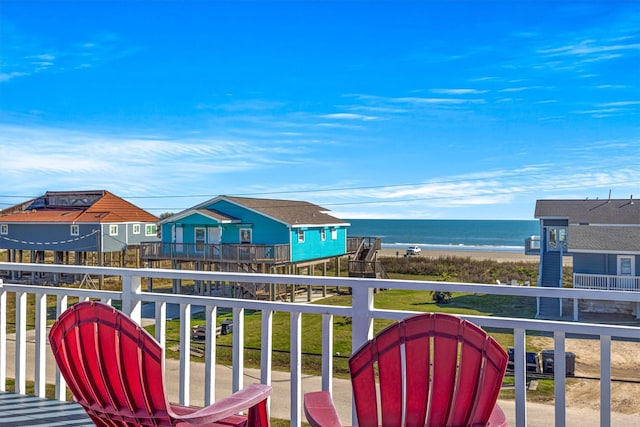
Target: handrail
<point x="362" y="312"/>
<point x="606" y="282"/>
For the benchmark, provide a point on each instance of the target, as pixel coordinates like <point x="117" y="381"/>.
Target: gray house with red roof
<point x="602" y="237"/>
<point x="75" y="221"/>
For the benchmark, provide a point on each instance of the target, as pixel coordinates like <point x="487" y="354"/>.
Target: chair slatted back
<point x="432" y="369"/>
<point x="112" y="366"/>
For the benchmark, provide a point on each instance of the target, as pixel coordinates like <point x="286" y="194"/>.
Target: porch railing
<point x="231" y="253"/>
<point x="606" y="282"/>
<point x="361" y="311"/>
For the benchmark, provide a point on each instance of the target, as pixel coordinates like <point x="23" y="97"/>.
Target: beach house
<point x="250" y="234"/>
<point x="603" y="239"/>
<point x="75" y="227"/>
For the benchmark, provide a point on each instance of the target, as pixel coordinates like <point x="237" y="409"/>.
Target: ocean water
<point x="485" y="235"/>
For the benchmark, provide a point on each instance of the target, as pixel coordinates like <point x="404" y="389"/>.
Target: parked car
<point x="413" y="250"/>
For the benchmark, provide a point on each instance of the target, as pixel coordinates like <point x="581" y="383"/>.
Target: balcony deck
<point x="20" y="410"/>
<point x="25" y="356"/>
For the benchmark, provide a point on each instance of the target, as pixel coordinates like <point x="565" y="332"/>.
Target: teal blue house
<point x="229" y="229"/>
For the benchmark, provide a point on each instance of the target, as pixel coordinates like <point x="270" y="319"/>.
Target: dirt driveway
<point x="625" y="364"/>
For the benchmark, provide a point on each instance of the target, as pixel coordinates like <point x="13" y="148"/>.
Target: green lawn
<point x="471" y="304"/>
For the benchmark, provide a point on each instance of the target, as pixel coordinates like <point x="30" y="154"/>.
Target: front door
<point x="200" y="238"/>
<point x="556" y="239"/>
<point x="178" y="238"/>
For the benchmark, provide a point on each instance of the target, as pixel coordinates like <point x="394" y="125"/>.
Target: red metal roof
<point x="108" y="208"/>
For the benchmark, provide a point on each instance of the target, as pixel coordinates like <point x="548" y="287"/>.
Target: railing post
<point x="131" y="304"/>
<point x="361" y="324"/>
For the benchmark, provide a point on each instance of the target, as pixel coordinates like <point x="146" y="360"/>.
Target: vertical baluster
<point x="327" y="353"/>
<point x="40" y="353"/>
<point x="605" y="381"/>
<point x="21" y="342"/>
<point x="185" y="353"/>
<point x="210" y="355"/>
<point x="296" y="369"/>
<point x="61" y="385"/>
<point x="238" y="348"/>
<point x="3" y="338"/>
<point x="520" y="375"/>
<point x="559" y="374"/>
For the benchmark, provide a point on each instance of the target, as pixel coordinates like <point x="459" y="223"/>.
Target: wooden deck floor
<point x="19" y="410"/>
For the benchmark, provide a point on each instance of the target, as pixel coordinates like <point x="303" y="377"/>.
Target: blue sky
<point x="421" y="109"/>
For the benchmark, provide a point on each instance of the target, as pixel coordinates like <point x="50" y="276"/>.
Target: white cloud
<point x="5" y="77"/>
<point x="349" y="116"/>
<point x="436" y="101"/>
<point x="459" y="91"/>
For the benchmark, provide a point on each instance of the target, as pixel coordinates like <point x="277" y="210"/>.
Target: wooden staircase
<point x="365" y="262"/>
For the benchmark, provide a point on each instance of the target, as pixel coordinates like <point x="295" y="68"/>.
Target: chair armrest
<point x="231" y="405"/>
<point x="497" y="418"/>
<point x="320" y="410"/>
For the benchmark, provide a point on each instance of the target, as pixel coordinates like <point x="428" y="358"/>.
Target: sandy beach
<point x="479" y="255"/>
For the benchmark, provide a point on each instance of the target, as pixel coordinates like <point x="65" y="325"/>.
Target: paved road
<point x="538" y="415"/>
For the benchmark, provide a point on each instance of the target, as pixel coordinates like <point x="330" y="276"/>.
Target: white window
<point x="4" y="228"/>
<point x="136" y="228"/>
<point x="334" y="234"/>
<point x="150" y="230"/>
<point x="113" y="230"/>
<point x="300" y="236"/>
<point x="245" y="235"/>
<point x="323" y="234"/>
<point x="75" y="230"/>
<point x="626" y="265"/>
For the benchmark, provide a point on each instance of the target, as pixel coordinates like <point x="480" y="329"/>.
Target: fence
<point x="361" y="311"/>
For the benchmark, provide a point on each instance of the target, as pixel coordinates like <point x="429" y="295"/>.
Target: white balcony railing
<point x="362" y="312"/>
<point x="606" y="282"/>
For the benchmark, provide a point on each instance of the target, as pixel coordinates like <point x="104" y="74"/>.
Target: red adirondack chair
<point x="114" y="370"/>
<point x="427" y="370"/>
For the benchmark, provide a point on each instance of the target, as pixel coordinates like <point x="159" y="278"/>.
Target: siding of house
<point x="50" y="237"/>
<point x="116" y="242"/>
<point x="135" y="239"/>
<point x="591" y="264"/>
<point x="265" y="231"/>
<point x="313" y="246"/>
